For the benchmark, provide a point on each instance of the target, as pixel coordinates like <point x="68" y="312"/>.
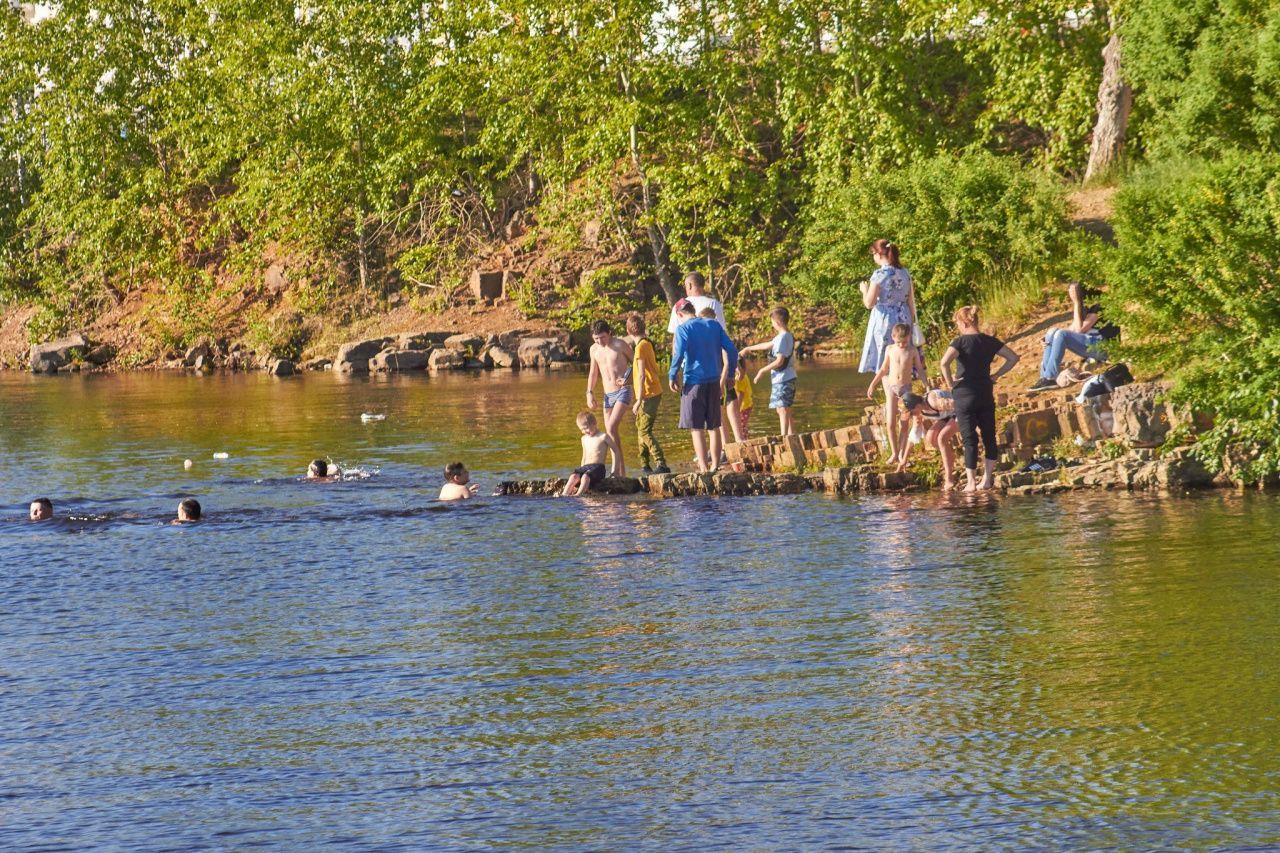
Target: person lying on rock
<point x="457" y="483"/>
<point x="594" y="446"/>
<point x="1086" y="336"/>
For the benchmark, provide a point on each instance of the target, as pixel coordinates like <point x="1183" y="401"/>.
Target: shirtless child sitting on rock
<point x="594" y="445"/>
<point x="611" y="361"/>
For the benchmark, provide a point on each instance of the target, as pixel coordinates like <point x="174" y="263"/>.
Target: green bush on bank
<point x="966" y="224"/>
<point x="1195" y="284"/>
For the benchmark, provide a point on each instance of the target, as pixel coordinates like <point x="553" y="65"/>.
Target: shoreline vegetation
<point x="261" y="186"/>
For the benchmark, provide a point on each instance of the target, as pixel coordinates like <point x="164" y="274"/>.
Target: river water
<point x="350" y="664"/>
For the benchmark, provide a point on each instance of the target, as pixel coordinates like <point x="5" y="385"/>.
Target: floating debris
<point x="222" y="455"/>
<point x="372" y="416"/>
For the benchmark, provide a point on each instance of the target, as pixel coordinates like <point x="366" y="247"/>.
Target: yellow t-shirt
<point x="743" y="386"/>
<point x="644" y="371"/>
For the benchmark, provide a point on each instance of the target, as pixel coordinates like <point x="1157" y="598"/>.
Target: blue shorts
<point x="782" y="395"/>
<point x="620" y="397"/>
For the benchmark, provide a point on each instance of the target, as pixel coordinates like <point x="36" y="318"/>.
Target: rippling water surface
<point x="352" y="664"/>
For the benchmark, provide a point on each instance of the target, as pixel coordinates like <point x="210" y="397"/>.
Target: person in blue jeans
<point x="706" y="352"/>
<point x="1085" y="337"/>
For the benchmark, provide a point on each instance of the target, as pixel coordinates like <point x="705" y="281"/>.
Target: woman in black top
<point x="974" y="391"/>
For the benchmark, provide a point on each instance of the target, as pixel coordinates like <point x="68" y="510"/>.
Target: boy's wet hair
<point x="585" y="417"/>
<point x="318" y="468"/>
<point x="901" y="330"/>
<point x="601" y="327"/>
<point x="635" y="324"/>
<point x="454" y="469"/>
<point x="708" y="312"/>
<point x="782" y="314"/>
<point x="190" y="508"/>
<point x="686" y="307"/>
<point x="45" y="503"/>
<point x="911" y="400"/>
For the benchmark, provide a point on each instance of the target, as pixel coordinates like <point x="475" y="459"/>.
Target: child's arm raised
<point x="756" y="347"/>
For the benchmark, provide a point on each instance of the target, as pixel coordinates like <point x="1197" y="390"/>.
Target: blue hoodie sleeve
<point x="726" y="344"/>
<point x="677" y="354"/>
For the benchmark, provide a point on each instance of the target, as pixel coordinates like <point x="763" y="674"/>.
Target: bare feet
<point x="986" y="485"/>
<point x="948" y="485"/>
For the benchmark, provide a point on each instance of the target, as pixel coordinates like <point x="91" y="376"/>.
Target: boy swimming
<point x="41" y="509"/>
<point x="594" y="445"/>
<point x="456" y="479"/>
<point x="188" y="510"/>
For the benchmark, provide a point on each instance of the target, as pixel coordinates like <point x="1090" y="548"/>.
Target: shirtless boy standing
<point x="896" y="371"/>
<point x="611" y="361"/>
<point x="594" y="445"/>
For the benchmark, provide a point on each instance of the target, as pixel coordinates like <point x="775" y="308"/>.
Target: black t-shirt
<point x="976" y="354"/>
<point x="1102" y="327"/>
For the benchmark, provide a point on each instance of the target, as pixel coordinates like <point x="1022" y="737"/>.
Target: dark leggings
<point x="976" y="413"/>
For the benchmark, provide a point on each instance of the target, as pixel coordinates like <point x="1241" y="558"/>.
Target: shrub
<point x="967" y="224"/>
<point x="1194" y="286"/>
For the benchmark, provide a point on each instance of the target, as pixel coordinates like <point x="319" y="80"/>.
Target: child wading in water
<point x="594" y="445"/>
<point x="782" y="370"/>
<point x="939" y="410"/>
<point x="896" y="370"/>
<point x="456" y="479"/>
<point x="647" y="383"/>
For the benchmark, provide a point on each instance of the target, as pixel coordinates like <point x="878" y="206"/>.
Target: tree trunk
<point x="657" y="238"/>
<point x="1115" y="99"/>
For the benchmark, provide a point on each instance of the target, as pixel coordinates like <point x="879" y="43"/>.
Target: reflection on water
<point x="352" y="664"/>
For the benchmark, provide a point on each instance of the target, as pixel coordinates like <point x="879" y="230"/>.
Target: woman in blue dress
<point x="892" y="300"/>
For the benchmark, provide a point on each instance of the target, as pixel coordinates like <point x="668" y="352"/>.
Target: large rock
<point x="445" y="359"/>
<point x="540" y="352"/>
<point x="100" y="355"/>
<point x="1141" y="415"/>
<point x="396" y="361"/>
<point x="465" y="344"/>
<point x="354" y="357"/>
<point x="501" y="357"/>
<point x="281" y="367"/>
<point x="201" y="348"/>
<point x="486" y="285"/>
<point x="48" y="357"/>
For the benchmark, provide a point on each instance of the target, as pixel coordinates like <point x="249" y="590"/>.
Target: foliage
<point x="1194" y="286"/>
<point x="966" y="225"/>
<point x="1112" y="449"/>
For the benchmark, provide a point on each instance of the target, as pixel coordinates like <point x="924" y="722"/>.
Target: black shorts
<point x="593" y="473"/>
<point x="730" y="394"/>
<point x="700" y="406"/>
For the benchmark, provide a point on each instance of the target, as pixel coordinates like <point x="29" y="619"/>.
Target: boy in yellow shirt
<point x="648" y="391"/>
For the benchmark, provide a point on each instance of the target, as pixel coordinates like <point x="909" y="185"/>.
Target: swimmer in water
<point x="188" y="510"/>
<point x="456" y="488"/>
<point x="319" y="469"/>
<point x="41" y="509"/>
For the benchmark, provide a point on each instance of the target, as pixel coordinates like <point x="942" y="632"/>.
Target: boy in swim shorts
<point x="594" y="445"/>
<point x="611" y="361"/>
<point x="901" y="361"/>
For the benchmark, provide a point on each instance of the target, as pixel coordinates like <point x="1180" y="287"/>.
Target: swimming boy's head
<point x="456" y="472"/>
<point x="41" y="509"/>
<point x="707" y="313"/>
<point x="780" y="317"/>
<point x="635" y="325"/>
<point x="901" y="333"/>
<point x="601" y="333"/>
<point x="586" y="422"/>
<point x="912" y="402"/>
<point x="318" y="469"/>
<point x="189" y="510"/>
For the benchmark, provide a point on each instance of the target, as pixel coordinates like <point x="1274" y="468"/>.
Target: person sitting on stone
<point x="188" y="510"/>
<point x="1086" y="336"/>
<point x="456" y="480"/>
<point x="41" y="509"/>
<point x="595" y="445"/>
